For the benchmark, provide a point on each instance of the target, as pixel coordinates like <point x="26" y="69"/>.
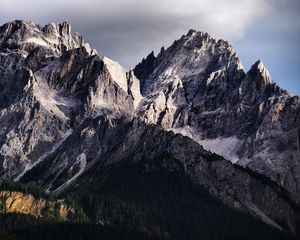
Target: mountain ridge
<point x="65" y="111"/>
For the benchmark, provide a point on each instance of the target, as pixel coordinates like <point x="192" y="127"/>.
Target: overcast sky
<point x="127" y="30"/>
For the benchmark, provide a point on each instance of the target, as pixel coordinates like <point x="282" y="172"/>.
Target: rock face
<point x="50" y="81"/>
<point x="198" y="87"/>
<point x="66" y="113"/>
<point x="17" y="202"/>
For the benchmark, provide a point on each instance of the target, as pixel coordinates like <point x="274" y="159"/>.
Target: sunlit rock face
<point x="18" y="202"/>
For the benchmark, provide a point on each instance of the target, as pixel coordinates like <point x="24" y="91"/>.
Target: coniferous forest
<point x="140" y="200"/>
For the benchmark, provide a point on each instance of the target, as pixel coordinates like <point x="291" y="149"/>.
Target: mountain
<point x="50" y="81"/>
<point x="198" y="87"/>
<point x="186" y="137"/>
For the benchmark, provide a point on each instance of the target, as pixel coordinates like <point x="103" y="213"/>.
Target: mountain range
<point x="188" y="124"/>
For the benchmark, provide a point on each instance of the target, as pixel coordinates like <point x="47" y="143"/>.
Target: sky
<point x="128" y="30"/>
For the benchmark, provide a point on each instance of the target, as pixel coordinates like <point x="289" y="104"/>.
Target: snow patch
<point x="90" y="50"/>
<point x="226" y="147"/>
<point x="213" y="76"/>
<point x="50" y="99"/>
<point x="37" y="41"/>
<point x="212" y="112"/>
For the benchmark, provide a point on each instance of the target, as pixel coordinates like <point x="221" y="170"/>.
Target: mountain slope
<point x="103" y="142"/>
<point x="146" y="194"/>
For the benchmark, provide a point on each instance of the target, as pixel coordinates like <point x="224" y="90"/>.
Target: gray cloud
<point x="127" y="30"/>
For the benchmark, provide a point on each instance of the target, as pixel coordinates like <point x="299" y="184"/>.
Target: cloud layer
<point x="127" y="30"/>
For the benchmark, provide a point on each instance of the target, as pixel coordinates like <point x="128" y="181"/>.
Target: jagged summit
<point x="258" y="65"/>
<point x="54" y="38"/>
<point x="62" y="29"/>
<point x="191" y="32"/>
<point x="125" y="79"/>
<point x="199" y="38"/>
<point x="194" y="54"/>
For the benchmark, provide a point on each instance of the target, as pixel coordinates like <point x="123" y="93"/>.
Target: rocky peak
<point x="117" y="72"/>
<point x="50" y="81"/>
<point x="195" y="54"/>
<point x="57" y="29"/>
<point x="260" y="69"/>
<point x="54" y="90"/>
<point x="145" y="68"/>
<point x="65" y="28"/>
<point x="54" y="38"/>
<point x="196" y="39"/>
<point x="191" y="32"/>
<point x="258" y="84"/>
<point x="125" y="79"/>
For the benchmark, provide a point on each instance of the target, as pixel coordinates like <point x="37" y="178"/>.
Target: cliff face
<point x="17" y="202"/>
<point x="50" y="82"/>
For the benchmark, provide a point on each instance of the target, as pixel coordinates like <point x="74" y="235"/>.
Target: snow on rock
<point x="226" y="147"/>
<point x="37" y="41"/>
<point x="89" y="49"/>
<point x="50" y="99"/>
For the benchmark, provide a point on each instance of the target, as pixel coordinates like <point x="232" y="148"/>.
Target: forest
<point x="138" y="200"/>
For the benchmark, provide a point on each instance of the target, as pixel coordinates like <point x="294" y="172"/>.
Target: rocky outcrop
<point x="21" y="203"/>
<point x="17" y="202"/>
<point x="125" y="79"/>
